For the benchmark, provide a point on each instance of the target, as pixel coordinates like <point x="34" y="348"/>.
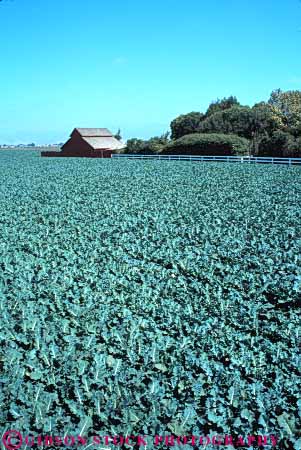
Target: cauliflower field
<point x="149" y="297"/>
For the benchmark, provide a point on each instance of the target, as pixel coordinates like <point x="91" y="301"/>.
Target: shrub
<point x="294" y="149"/>
<point x="208" y="144"/>
<point x="280" y="144"/>
<point x="152" y="146"/>
<point x="133" y="145"/>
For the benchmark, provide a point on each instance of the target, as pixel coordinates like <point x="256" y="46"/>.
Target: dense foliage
<point x="222" y="105"/>
<point x="280" y="143"/>
<point x="207" y="144"/>
<point x="186" y="124"/>
<point x="237" y="120"/>
<point x="255" y="124"/>
<point x="289" y="105"/>
<point x="149" y="297"/>
<point x="242" y="121"/>
<point x="150" y="146"/>
<point x="263" y="125"/>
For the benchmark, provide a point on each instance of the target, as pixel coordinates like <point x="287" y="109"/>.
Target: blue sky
<point x="136" y="64"/>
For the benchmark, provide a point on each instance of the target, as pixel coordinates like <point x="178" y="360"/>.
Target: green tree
<point x="221" y="105"/>
<point x="186" y="124"/>
<point x="288" y="103"/>
<point x="265" y="121"/>
<point x="294" y="148"/>
<point x="155" y="144"/>
<point x="280" y="143"/>
<point x="133" y="145"/>
<point x="235" y="120"/>
<point x="251" y="123"/>
<point x="150" y="146"/>
<point x="118" y="135"/>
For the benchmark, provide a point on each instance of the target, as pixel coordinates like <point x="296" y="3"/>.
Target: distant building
<point x="89" y="142"/>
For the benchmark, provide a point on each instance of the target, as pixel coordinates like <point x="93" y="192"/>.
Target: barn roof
<point x="105" y="142"/>
<point x="94" y="132"/>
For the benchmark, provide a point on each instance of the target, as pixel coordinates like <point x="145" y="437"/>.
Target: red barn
<point x="89" y="142"/>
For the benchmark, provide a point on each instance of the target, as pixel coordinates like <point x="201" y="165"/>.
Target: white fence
<point x="239" y="159"/>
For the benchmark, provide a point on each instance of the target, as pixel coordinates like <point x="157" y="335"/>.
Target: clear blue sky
<point x="135" y="64"/>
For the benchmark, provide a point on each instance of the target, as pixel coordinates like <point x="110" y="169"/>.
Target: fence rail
<point x="239" y="159"/>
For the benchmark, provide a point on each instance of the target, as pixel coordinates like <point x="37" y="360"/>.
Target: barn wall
<point x="102" y="153"/>
<point x="76" y="146"/>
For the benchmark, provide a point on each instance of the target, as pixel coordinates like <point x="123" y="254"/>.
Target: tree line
<point x="271" y="128"/>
